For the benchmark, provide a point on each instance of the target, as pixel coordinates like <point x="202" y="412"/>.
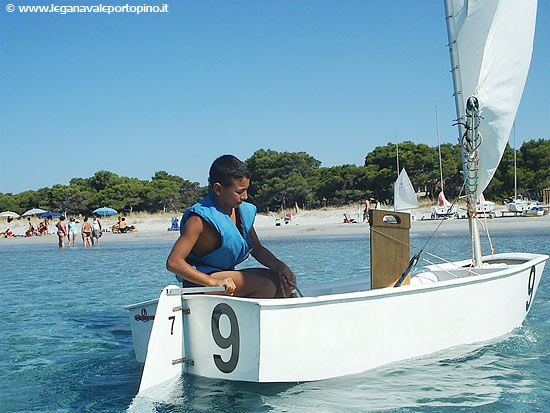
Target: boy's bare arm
<point x="177" y="264"/>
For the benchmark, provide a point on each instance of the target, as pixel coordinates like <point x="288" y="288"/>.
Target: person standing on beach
<point x="366" y="210"/>
<point x="96" y="227"/>
<point x="61" y="231"/>
<point x="86" y="233"/>
<point x="217" y="233"/>
<point x="72" y="231"/>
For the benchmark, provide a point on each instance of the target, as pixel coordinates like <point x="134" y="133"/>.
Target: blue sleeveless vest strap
<point x="235" y="246"/>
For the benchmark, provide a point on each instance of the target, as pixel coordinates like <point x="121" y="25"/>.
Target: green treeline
<point x="164" y="192"/>
<point x="279" y="179"/>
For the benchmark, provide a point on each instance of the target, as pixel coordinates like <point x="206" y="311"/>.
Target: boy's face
<point x="233" y="195"/>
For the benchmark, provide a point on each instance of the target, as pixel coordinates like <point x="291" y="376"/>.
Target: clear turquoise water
<point x="66" y="344"/>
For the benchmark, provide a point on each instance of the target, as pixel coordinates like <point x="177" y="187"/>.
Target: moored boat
<point x="517" y="205"/>
<point x="404" y="195"/>
<point x="483" y="206"/>
<point x="533" y="211"/>
<point x="444" y="209"/>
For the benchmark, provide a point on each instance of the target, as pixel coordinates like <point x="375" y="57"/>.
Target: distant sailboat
<point x="443" y="208"/>
<point x="404" y="196"/>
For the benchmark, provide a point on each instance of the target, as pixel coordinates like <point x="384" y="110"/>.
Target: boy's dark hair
<point x="226" y="168"/>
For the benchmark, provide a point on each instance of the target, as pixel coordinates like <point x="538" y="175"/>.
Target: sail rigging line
<point x="448" y="211"/>
<point x="446" y="262"/>
<point x="440" y="268"/>
<point x="414" y="260"/>
<point x="486" y="228"/>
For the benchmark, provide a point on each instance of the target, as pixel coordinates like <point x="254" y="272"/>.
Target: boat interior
<point x="422" y="275"/>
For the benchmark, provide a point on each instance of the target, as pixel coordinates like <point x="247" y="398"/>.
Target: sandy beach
<point x="315" y="223"/>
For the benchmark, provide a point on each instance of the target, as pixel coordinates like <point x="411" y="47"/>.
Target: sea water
<point x="66" y="343"/>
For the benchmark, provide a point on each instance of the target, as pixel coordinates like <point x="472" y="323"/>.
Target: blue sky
<point x="135" y="94"/>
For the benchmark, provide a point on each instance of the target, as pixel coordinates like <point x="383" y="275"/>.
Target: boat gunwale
<point x="367" y="295"/>
<point x="141" y="303"/>
<point x="529" y="259"/>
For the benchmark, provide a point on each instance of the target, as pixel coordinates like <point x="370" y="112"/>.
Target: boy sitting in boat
<point x="217" y="233"/>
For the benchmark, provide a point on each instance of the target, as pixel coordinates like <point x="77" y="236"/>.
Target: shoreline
<point x="306" y="224"/>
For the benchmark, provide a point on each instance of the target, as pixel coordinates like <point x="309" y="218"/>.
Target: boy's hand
<point x="286" y="276"/>
<point x="229" y="285"/>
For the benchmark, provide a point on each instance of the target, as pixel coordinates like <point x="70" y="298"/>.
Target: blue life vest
<point x="235" y="247"/>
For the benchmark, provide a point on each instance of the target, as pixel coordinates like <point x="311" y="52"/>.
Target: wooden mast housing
<point x="389" y="247"/>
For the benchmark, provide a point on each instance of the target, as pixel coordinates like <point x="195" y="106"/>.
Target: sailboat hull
<point x="439" y="211"/>
<point x="517" y="205"/>
<point x="343" y="328"/>
<point x="485" y="207"/>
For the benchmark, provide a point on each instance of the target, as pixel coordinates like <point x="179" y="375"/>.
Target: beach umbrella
<point x="34" y="211"/>
<point x="51" y="214"/>
<point x="104" y="211"/>
<point x="9" y="214"/>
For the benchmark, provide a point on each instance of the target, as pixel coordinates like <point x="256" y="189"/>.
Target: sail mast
<point x="439" y="150"/>
<point x="470" y="174"/>
<point x="397" y="153"/>
<point x="515" y="167"/>
<point x="395" y="189"/>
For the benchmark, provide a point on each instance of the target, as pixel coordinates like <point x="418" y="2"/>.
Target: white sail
<point x="492" y="43"/>
<point x="404" y="197"/>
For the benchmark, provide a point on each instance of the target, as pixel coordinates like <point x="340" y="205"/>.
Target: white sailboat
<point x="404" y="196"/>
<point x="443" y="208"/>
<point x="345" y="327"/>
